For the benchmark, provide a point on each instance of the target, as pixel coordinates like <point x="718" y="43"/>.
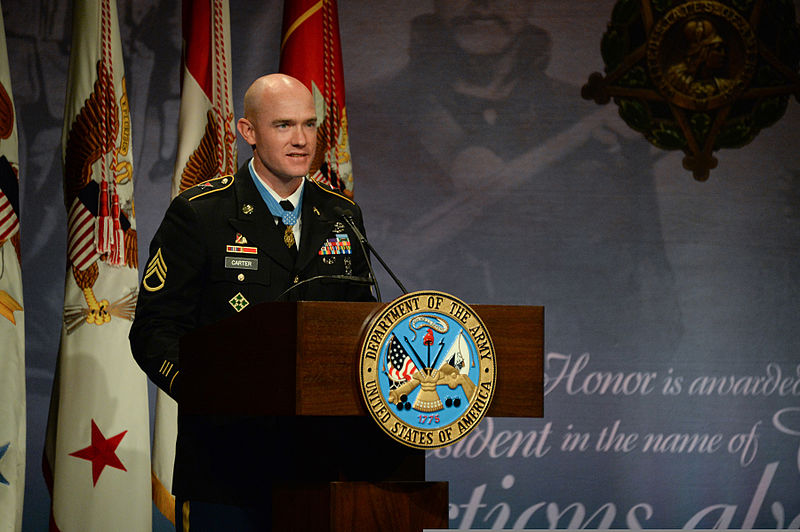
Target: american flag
<point x="81" y="248"/>
<point x="400" y="367"/>
<point x="9" y="200"/>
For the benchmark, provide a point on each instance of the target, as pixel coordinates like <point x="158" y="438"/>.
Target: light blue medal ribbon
<point x="289" y="218"/>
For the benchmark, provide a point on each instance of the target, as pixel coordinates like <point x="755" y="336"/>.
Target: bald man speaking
<point x="263" y="234"/>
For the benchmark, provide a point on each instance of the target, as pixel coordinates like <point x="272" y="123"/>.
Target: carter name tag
<point x="241" y="264"/>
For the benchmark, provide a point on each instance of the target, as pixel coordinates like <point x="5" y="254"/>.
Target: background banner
<point x="672" y="368"/>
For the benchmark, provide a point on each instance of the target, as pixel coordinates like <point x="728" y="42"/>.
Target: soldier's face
<point x="484" y="27"/>
<point x="285" y="135"/>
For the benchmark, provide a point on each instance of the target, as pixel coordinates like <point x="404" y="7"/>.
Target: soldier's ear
<point x="246" y="130"/>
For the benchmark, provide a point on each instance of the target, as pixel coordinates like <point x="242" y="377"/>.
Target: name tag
<point x="241" y="264"/>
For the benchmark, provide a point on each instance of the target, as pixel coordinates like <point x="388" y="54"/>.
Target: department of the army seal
<point x="427" y="369"/>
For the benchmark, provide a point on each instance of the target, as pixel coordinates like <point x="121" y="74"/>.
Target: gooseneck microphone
<point x="347" y="216"/>
<point x="348" y="278"/>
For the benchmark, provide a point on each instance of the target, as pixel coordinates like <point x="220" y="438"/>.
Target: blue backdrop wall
<point x="672" y="395"/>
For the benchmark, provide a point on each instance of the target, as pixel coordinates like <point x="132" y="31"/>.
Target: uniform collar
<point x="272" y="199"/>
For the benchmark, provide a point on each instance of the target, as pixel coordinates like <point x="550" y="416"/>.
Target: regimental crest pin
<point x="427" y="369"/>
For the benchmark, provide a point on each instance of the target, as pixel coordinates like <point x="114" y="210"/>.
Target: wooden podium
<point x="314" y="348"/>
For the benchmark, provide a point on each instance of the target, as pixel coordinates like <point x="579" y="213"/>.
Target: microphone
<point x="347" y="216"/>
<point x="348" y="278"/>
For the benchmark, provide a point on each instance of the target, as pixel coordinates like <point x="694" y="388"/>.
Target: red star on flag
<point x="102" y="452"/>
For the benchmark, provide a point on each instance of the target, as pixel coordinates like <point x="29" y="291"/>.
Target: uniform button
<point x="296" y="279"/>
<point x="240" y="277"/>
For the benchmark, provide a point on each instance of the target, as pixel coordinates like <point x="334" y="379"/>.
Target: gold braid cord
<point x="131" y="248"/>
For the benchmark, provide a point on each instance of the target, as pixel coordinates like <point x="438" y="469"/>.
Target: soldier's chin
<point x="482" y="37"/>
<point x="299" y="169"/>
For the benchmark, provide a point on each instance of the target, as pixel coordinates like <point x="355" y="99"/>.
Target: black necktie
<point x="288" y="233"/>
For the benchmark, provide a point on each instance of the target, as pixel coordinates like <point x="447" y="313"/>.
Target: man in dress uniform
<point x="227" y="244"/>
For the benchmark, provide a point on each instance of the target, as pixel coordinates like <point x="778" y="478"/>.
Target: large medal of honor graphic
<point x="427" y="369"/>
<point x="699" y="75"/>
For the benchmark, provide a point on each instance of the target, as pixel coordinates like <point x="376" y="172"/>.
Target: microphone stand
<point x="365" y="244"/>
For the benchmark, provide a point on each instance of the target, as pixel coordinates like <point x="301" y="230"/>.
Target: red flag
<point x="207" y="139"/>
<point x="206" y="149"/>
<point x="311" y="52"/>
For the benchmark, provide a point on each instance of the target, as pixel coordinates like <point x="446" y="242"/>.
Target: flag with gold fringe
<point x="97" y="449"/>
<point x="12" y="321"/>
<point x="206" y="149"/>
<point x="311" y="52"/>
